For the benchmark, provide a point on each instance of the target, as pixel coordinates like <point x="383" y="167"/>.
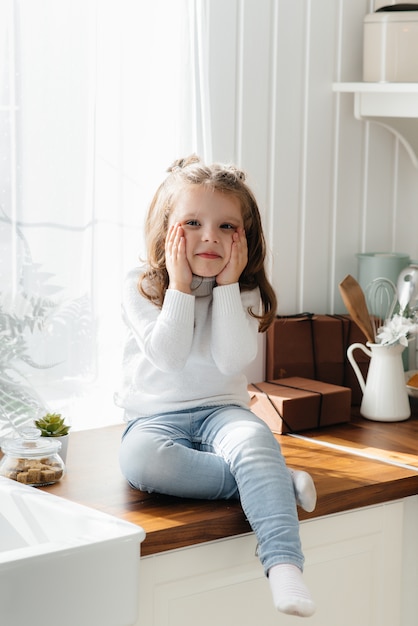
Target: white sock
<point x="290" y="594"/>
<point x="305" y="491"/>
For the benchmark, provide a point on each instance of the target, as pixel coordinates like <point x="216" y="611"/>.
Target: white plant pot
<point x="64" y="447"/>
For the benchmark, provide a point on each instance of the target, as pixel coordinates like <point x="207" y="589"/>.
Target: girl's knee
<point x="139" y="456"/>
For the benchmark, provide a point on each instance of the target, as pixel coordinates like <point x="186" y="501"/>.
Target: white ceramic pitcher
<point x="385" y="398"/>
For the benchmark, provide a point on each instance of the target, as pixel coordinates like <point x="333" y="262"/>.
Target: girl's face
<point x="209" y="219"/>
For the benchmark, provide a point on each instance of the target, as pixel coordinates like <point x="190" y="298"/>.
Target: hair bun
<point x="230" y="173"/>
<point x="237" y="172"/>
<point x="227" y="172"/>
<point x="179" y="164"/>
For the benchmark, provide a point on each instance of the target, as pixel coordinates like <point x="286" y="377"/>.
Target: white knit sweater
<point x="190" y="353"/>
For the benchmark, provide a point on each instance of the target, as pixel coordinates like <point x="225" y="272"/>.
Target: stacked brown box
<point x="315" y="346"/>
<point x="295" y="404"/>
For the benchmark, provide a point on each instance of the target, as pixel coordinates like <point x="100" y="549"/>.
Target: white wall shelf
<point x="393" y="105"/>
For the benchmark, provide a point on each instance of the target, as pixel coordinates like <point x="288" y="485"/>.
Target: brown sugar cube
<point x="47" y="476"/>
<point x="46" y="460"/>
<point x="56" y="468"/>
<point x="22" y="477"/>
<point x="49" y="468"/>
<point x="34" y="475"/>
<point x="32" y="464"/>
<point x="18" y="464"/>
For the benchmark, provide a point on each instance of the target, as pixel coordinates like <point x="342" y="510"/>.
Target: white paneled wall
<point x="328" y="185"/>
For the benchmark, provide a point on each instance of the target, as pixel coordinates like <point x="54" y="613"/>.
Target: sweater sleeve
<point x="163" y="335"/>
<point x="234" y="330"/>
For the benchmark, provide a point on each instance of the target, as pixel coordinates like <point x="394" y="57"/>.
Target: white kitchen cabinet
<point x="409" y="587"/>
<point x="354" y="568"/>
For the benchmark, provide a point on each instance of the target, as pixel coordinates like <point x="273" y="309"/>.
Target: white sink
<point x="65" y="564"/>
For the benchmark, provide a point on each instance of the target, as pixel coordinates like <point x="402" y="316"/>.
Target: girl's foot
<point x="290" y="594"/>
<point x="305" y="491"/>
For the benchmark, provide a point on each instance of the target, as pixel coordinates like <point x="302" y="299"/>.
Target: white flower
<point x="396" y="329"/>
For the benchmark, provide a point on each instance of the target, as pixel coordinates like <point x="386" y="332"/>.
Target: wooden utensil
<point x="355" y="301"/>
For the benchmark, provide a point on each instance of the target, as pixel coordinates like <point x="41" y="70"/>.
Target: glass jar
<point x="32" y="459"/>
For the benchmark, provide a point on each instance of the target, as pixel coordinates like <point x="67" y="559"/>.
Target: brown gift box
<point x="295" y="404"/>
<point x="315" y="346"/>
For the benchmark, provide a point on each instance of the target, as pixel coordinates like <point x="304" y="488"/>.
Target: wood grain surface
<point x="336" y="457"/>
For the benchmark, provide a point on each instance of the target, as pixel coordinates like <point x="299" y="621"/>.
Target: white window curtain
<point x="97" y="98"/>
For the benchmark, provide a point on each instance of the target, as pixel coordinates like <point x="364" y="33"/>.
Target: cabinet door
<point x="409" y="597"/>
<point x="353" y="568"/>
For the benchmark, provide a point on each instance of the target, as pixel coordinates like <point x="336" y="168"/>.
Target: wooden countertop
<point x="354" y="465"/>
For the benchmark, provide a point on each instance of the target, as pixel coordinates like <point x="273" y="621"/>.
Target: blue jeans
<point x="221" y="452"/>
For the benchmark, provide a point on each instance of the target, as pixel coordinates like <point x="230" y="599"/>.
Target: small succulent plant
<point x="52" y="425"/>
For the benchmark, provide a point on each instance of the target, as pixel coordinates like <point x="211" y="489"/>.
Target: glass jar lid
<point x="30" y="444"/>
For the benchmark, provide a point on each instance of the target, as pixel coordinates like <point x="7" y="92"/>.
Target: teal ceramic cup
<point x="373" y="265"/>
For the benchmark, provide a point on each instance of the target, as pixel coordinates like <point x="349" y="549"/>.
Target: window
<point x="97" y="98"/>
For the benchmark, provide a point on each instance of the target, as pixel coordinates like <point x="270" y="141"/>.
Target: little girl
<point x="192" y="316"/>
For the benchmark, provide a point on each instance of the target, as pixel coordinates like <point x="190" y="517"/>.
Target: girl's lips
<point x="208" y="255"/>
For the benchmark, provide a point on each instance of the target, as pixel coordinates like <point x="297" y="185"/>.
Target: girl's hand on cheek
<point x="237" y="261"/>
<point x="178" y="268"/>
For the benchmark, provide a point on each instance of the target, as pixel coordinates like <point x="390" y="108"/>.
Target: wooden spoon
<point x="355" y="301"/>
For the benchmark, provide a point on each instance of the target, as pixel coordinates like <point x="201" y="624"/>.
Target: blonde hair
<point x="218" y="177"/>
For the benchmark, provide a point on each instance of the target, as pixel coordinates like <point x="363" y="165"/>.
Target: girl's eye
<point x="192" y="223"/>
<point x="228" y="227"/>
